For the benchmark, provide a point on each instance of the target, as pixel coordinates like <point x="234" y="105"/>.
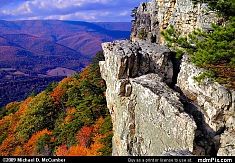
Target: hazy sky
<point x="85" y="10"/>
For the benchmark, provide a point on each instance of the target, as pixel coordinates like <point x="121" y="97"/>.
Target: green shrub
<point x="107" y="149"/>
<point x="204" y="75"/>
<point x="225" y="7"/>
<point x="106" y="126"/>
<point x="51" y="86"/>
<point x="12" y="108"/>
<point x="44" y="146"/>
<point x="73" y="96"/>
<point x="205" y="48"/>
<point x="65" y="133"/>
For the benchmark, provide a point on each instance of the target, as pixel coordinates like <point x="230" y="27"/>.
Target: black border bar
<point x="121" y="159"/>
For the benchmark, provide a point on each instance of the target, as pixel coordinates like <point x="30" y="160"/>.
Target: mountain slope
<point x="39" y="49"/>
<point x="55" y="30"/>
<point x="68" y="118"/>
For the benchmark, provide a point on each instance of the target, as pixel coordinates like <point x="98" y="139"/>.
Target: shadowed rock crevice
<point x="173" y="114"/>
<point x="206" y="140"/>
<point x="132" y="126"/>
<point x="216" y="104"/>
<point x="176" y="62"/>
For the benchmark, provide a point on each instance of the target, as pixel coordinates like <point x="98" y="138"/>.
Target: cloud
<point x="4" y="3"/>
<point x="86" y="10"/>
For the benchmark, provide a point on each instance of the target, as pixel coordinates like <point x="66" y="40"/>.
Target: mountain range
<point x="49" y="50"/>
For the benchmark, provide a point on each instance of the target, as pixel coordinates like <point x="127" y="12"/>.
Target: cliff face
<point x="143" y="108"/>
<point x="153" y="17"/>
<point x="216" y="104"/>
<point x="157" y="107"/>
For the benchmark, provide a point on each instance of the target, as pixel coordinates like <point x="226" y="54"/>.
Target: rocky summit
<point x="157" y="107"/>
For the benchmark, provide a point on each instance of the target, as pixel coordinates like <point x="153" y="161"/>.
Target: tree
<point x="40" y="114"/>
<point x="30" y="148"/>
<point x="84" y="136"/>
<point x="57" y="94"/>
<point x="70" y="115"/>
<point x="51" y="87"/>
<point x="73" y="96"/>
<point x="98" y="57"/>
<point x="65" y="119"/>
<point x="212" y="50"/>
<point x="224" y="7"/>
<point x="61" y="150"/>
<point x="8" y="126"/>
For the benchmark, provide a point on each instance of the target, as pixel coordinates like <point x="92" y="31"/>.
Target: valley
<point x="34" y="53"/>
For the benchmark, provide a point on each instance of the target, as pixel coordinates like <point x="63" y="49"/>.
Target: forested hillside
<point x="48" y="50"/>
<point x="68" y="118"/>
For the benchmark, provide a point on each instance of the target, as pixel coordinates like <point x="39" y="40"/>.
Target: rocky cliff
<point x="157" y="107"/>
<point x="153" y="17"/>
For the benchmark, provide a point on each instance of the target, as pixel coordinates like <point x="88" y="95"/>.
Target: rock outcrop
<point x="143" y="108"/>
<point x="153" y="17"/>
<point x="157" y="106"/>
<point x="214" y="101"/>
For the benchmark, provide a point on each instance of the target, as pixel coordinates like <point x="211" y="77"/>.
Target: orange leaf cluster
<point x="76" y="150"/>
<point x="10" y="105"/>
<point x="57" y="94"/>
<point x="9" y="144"/>
<point x="24" y="106"/>
<point x="18" y="151"/>
<point x="62" y="150"/>
<point x="30" y="146"/>
<point x="98" y="124"/>
<point x="84" y="136"/>
<point x="84" y="148"/>
<point x="65" y="81"/>
<point x="97" y="145"/>
<point x="70" y="114"/>
<point x="71" y="110"/>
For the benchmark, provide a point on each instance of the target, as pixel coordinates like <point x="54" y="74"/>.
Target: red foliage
<point x="62" y="150"/>
<point x="89" y="142"/>
<point x="30" y="146"/>
<point x="84" y="136"/>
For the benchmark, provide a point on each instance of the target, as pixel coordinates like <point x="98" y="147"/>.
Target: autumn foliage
<point x="89" y="142"/>
<point x="84" y="136"/>
<point x="57" y="94"/>
<point x="67" y="119"/>
<point x="30" y="146"/>
<point x="8" y="125"/>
